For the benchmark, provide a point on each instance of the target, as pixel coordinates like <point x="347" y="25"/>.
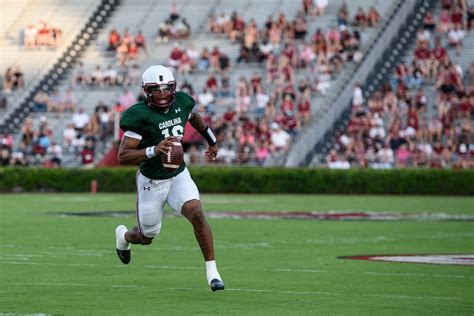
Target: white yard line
<point x="402" y="274"/>
<point x="404" y="297"/>
<point x="448" y="276"/>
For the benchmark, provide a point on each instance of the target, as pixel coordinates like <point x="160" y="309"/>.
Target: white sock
<point x="121" y="243"/>
<point x="211" y="271"/>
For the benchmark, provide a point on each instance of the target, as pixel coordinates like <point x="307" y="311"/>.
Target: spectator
<point x="174" y="12"/>
<point x="27" y="131"/>
<point x="360" y="18"/>
<point x="429" y="22"/>
<point x="127" y="98"/>
<point x="223" y="23"/>
<point x="227" y="155"/>
<point x="176" y="56"/>
<point x="343" y="15"/>
<point x="470" y="18"/>
<point x="5" y="156"/>
<point x="308" y="7"/>
<point x="31" y="32"/>
<point x="55" y="102"/>
<point x="8" y="80"/>
<point x="80" y="119"/>
<point x="280" y="138"/>
<point x="261" y="100"/>
<point x="40" y="102"/>
<point x="96" y="77"/>
<point x="206" y="99"/>
<point x="164" y="32"/>
<point x="237" y="29"/>
<point x="87" y="155"/>
<point x="204" y="60"/>
<point x="6" y="140"/>
<point x="182" y="30"/>
<point x="79" y="76"/>
<point x="18" y="81"/>
<point x="140" y="41"/>
<point x="357" y="95"/>
<point x="455" y="37"/>
<point x="113" y="41"/>
<point x="211" y="84"/>
<point x="373" y="17"/>
<point x="193" y="55"/>
<point x="321" y="6"/>
<point x="304" y="109"/>
<point x="110" y="76"/>
<point x="55" y="153"/>
<point x="44" y="36"/>
<point x="69" y="135"/>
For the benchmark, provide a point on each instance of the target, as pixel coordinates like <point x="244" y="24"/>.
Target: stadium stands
<point x="70" y="16"/>
<point x="422" y="115"/>
<point x="253" y="109"/>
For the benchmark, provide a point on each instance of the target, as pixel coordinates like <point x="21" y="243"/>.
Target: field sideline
<point x="54" y="264"/>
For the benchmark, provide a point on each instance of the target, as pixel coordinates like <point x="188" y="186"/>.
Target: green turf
<point x="67" y="265"/>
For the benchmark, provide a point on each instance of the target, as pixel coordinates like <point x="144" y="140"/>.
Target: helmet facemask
<point x="160" y="96"/>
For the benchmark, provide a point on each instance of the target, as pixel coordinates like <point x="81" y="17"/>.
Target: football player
<point x="148" y="126"/>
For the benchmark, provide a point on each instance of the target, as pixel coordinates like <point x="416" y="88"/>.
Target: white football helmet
<point x="159" y="86"/>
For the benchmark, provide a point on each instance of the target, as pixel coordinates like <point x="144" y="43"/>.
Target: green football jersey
<point x="155" y="126"/>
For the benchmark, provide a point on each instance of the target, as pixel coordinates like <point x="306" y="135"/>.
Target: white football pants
<point x="152" y="195"/>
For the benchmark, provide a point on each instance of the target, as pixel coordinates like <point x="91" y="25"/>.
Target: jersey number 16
<point x="177" y="131"/>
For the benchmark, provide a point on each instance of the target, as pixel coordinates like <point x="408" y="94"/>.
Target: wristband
<point x="209" y="136"/>
<point x="150" y="152"/>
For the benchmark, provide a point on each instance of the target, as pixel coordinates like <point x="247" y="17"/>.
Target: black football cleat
<point x="216" y="285"/>
<point x="125" y="256"/>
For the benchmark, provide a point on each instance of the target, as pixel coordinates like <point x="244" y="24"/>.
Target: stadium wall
<point x="251" y="180"/>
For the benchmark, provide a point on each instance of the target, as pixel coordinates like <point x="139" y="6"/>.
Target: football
<point x="174" y="158"/>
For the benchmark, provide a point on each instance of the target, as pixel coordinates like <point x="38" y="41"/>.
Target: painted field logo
<point x="453" y="259"/>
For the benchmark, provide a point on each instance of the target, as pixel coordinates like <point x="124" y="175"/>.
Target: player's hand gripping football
<point x="164" y="146"/>
<point x="211" y="152"/>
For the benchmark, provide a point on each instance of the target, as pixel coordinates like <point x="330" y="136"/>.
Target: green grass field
<point x="67" y="265"/>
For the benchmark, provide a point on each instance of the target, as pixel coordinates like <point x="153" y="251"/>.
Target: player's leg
<point x="150" y="201"/>
<point x="134" y="236"/>
<point x="193" y="212"/>
<point x="184" y="197"/>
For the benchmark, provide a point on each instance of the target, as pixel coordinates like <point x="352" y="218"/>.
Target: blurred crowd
<point x="256" y="117"/>
<point x="287" y="69"/>
<point x="42" y="35"/>
<point x="398" y="125"/>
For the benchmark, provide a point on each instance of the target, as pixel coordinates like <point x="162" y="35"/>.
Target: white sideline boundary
<point x="5" y="260"/>
<point x="404" y="297"/>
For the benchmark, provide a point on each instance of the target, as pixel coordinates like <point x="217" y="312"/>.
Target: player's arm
<point x="196" y="121"/>
<point x="128" y="154"/>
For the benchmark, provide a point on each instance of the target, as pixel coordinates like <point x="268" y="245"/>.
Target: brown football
<point x="174" y="158"/>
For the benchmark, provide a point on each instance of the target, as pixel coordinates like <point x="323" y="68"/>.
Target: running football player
<point x="148" y="125"/>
